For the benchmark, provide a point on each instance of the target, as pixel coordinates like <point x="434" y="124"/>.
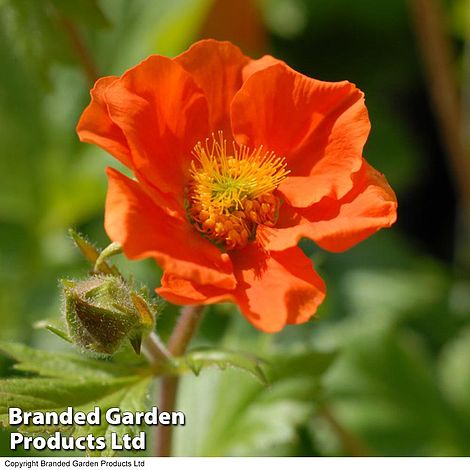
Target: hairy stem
<point x="154" y="350"/>
<point x="179" y="341"/>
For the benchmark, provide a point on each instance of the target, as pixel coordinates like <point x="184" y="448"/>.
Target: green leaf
<point x="69" y="380"/>
<point x="65" y="365"/>
<point x="32" y="394"/>
<point x="383" y="390"/>
<point x="308" y="363"/>
<point x="243" y="417"/>
<point x="198" y="359"/>
<point x="132" y="398"/>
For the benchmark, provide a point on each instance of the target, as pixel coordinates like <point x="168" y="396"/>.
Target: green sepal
<point x="92" y="254"/>
<point x="145" y="314"/>
<point x="101" y="266"/>
<point x="136" y="341"/>
<point x="54" y="327"/>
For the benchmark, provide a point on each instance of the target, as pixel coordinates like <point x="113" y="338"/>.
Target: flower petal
<point x="277" y="288"/>
<point x="319" y="127"/>
<point x="183" y="292"/>
<point x="96" y="127"/>
<point x="163" y="114"/>
<point x="145" y="230"/>
<point x="259" y="64"/>
<point x="337" y="225"/>
<point x="217" y="68"/>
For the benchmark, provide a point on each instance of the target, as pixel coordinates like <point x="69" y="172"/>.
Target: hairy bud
<point x="102" y="312"/>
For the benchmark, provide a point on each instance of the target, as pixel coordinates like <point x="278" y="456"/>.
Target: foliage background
<point x="398" y="307"/>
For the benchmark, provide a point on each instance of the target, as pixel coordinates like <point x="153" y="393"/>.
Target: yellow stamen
<point x="230" y="194"/>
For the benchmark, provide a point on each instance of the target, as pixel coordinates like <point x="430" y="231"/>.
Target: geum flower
<point x="235" y="160"/>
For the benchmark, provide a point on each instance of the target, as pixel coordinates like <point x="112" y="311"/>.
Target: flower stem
<point x="167" y="400"/>
<point x="154" y="350"/>
<point x="179" y="341"/>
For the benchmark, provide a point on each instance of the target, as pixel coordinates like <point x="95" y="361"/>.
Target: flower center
<point x="230" y="194"/>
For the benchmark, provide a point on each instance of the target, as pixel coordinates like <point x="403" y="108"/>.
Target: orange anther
<point x="208" y="224"/>
<point x="231" y="190"/>
<point x="203" y="215"/>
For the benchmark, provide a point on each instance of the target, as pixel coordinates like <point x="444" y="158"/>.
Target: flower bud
<point x="102" y="312"/>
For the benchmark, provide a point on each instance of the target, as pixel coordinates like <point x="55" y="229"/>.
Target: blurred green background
<point x="398" y="308"/>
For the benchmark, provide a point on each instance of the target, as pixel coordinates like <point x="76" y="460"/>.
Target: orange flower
<point x="234" y="161"/>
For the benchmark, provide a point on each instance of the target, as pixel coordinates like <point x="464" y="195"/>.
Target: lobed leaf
<point x="67" y="379"/>
<point x="198" y="359"/>
<point x="64" y="365"/>
<point x="246" y="418"/>
<point x="130" y="399"/>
